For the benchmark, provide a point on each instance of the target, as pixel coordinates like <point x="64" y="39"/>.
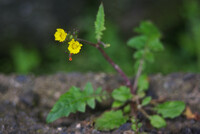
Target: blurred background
<point x="27" y="35"/>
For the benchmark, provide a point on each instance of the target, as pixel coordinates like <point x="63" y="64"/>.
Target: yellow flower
<point x="60" y="35"/>
<point x="74" y="47"/>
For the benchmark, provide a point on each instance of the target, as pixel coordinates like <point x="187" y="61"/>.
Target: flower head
<point x="74" y="47"/>
<point x="60" y="35"/>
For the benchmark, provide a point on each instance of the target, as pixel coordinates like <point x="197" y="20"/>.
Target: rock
<point x="26" y="100"/>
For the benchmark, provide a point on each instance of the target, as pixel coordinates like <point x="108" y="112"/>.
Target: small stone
<point x="78" y="126"/>
<point x="59" y="129"/>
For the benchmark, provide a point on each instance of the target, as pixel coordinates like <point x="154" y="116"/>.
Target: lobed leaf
<point x="110" y="120"/>
<point x="170" y="109"/>
<point x="99" y="23"/>
<point x="72" y="101"/>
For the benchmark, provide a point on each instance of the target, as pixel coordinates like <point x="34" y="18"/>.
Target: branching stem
<point x="115" y="66"/>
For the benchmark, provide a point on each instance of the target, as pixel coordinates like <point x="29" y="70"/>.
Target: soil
<point x="25" y="101"/>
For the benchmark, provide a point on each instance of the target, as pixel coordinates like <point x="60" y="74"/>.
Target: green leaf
<point x="146" y="101"/>
<point x="134" y="122"/>
<point x="91" y="102"/>
<point x="149" y="29"/>
<point x="143" y="83"/>
<point x="99" y="23"/>
<point x="122" y="94"/>
<point x="110" y="120"/>
<point x="157" y="121"/>
<point x="117" y="104"/>
<point x="127" y="109"/>
<point x="72" y="101"/>
<point x="137" y="42"/>
<point x="170" y="109"/>
<point x="154" y="44"/>
<point x="149" y="56"/>
<point x="133" y="126"/>
<point x="88" y="88"/>
<point x="138" y="54"/>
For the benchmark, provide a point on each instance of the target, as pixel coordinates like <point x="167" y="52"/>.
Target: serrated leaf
<point x="122" y="94"/>
<point x="110" y="120"/>
<point x="72" y="101"/>
<point x="157" y="121"/>
<point x="170" y="109"/>
<point x="146" y="101"/>
<point x="99" y="23"/>
<point x="149" y="29"/>
<point x="143" y="83"/>
<point x="137" y="42"/>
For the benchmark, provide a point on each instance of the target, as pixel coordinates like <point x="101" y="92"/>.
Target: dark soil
<point x="26" y="100"/>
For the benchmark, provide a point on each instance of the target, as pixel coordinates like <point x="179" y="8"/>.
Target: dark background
<point x="27" y="34"/>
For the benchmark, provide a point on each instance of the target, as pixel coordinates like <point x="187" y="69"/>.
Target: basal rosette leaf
<point x="157" y="121"/>
<point x="110" y="120"/>
<point x="170" y="109"/>
<point x="74" y="100"/>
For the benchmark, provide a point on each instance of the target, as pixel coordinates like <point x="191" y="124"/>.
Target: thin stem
<point x="137" y="76"/>
<point x="144" y="112"/>
<point x="115" y="66"/>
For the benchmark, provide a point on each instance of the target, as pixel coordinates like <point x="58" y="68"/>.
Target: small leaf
<point x="137" y="42"/>
<point x="146" y="101"/>
<point x="157" y="121"/>
<point x="117" y="104"/>
<point x="99" y="23"/>
<point x="138" y="54"/>
<point x="149" y="56"/>
<point x="143" y="83"/>
<point x="155" y="44"/>
<point x="133" y="126"/>
<point x="170" y="109"/>
<point x="127" y="109"/>
<point x="134" y="122"/>
<point x="110" y="120"/>
<point x="149" y="29"/>
<point x="122" y="94"/>
<point x="81" y="107"/>
<point x="91" y="103"/>
<point x="88" y="88"/>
